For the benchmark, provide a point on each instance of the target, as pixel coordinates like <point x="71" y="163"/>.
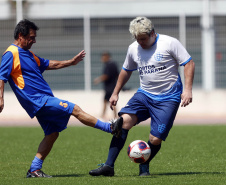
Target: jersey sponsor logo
<point x="63" y="104"/>
<point x="158" y="57"/>
<point x="150" y="69"/>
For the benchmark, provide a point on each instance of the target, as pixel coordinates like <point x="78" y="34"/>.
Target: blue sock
<point x="105" y="126"/>
<point x="36" y="164"/>
<point x="115" y="147"/>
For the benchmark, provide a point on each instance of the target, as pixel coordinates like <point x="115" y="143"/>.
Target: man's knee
<point x="56" y="134"/>
<point x="129" y="120"/>
<point x="154" y="140"/>
<point x="53" y="136"/>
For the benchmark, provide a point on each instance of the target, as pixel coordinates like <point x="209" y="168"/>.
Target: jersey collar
<point x="157" y="38"/>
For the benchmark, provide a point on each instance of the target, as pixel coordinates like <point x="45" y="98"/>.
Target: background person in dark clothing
<point x="109" y="78"/>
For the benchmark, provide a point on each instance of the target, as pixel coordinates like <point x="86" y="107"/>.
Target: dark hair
<point x="24" y="27"/>
<point x="106" y="53"/>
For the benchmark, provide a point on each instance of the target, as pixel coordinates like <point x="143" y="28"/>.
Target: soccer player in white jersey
<point x="157" y="58"/>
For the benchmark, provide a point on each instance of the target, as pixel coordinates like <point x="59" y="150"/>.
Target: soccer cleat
<point x="37" y="173"/>
<point x="104" y="170"/>
<point x="116" y="127"/>
<point x="144" y="170"/>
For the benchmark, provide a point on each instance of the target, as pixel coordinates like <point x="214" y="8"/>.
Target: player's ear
<point x="20" y="36"/>
<point x="151" y="33"/>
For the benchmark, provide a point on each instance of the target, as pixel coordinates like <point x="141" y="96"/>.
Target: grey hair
<point x="140" y="25"/>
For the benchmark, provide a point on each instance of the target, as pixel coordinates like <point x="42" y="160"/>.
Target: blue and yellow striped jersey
<point x="23" y="70"/>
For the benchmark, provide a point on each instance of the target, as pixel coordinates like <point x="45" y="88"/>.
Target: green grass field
<point x="190" y="155"/>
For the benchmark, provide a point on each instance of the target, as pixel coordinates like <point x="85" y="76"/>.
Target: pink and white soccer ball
<point x="139" y="151"/>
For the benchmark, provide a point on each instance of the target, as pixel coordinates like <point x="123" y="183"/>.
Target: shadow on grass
<point x="185" y="173"/>
<point x="190" y="173"/>
<point x="69" y="175"/>
<point x="154" y="175"/>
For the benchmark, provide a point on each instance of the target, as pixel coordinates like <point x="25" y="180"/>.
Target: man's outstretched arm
<point x="55" y="64"/>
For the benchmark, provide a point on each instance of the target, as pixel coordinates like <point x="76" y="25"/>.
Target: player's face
<point x="105" y="58"/>
<point x="145" y="40"/>
<point x="27" y="41"/>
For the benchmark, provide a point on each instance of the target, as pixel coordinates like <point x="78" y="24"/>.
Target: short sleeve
<point x="179" y="52"/>
<point x="129" y="63"/>
<point x="6" y="66"/>
<point x="44" y="63"/>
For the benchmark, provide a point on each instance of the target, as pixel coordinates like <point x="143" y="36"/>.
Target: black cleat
<point x="116" y="127"/>
<point x="144" y="170"/>
<point x="104" y="170"/>
<point x="37" y="173"/>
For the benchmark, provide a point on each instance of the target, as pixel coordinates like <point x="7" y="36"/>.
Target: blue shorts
<point x="162" y="114"/>
<point x="54" y="115"/>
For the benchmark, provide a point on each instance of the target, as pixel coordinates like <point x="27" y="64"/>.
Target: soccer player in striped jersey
<point x="23" y="70"/>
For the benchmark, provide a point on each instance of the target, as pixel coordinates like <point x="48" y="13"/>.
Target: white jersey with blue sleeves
<point x="158" y="67"/>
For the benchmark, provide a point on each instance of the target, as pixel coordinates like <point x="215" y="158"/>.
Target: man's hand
<point x="113" y="101"/>
<point x="79" y="57"/>
<point x="186" y="97"/>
